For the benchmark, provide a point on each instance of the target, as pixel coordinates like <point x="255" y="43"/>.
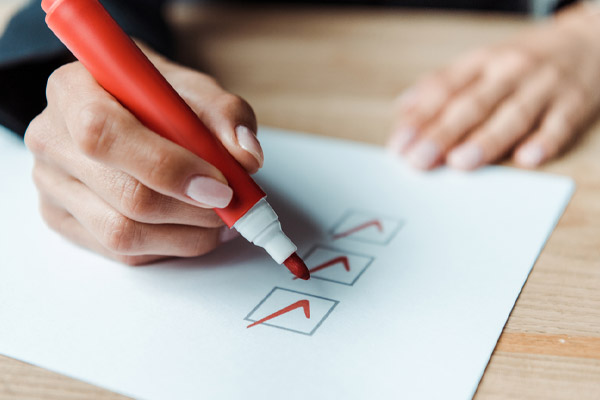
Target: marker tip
<point x="297" y="267"/>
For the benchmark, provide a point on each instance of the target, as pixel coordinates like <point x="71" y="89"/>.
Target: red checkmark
<point x="334" y="261"/>
<point x="301" y="303"/>
<point x="376" y="223"/>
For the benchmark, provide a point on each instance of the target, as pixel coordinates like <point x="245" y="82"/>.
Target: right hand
<point x="108" y="183"/>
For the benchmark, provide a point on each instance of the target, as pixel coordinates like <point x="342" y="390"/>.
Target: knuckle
<point x="518" y="113"/>
<point x="211" y="219"/>
<point x="164" y="165"/>
<point x="205" y="242"/>
<point x="460" y="107"/>
<point x="37" y="175"/>
<point x="35" y="136"/>
<point x="444" y="130"/>
<point x="232" y="101"/>
<point x="58" y="79"/>
<point x="447" y="133"/>
<point x="94" y="134"/>
<point x="479" y="103"/>
<point x="120" y="234"/>
<point x="468" y="108"/>
<point x="56" y="219"/>
<point x="517" y="60"/>
<point x="557" y="127"/>
<point x="61" y="79"/>
<point x="491" y="140"/>
<point x="137" y="200"/>
<point x="235" y="104"/>
<point x="47" y="214"/>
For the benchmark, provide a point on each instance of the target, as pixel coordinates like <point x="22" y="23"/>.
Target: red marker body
<point x="123" y="70"/>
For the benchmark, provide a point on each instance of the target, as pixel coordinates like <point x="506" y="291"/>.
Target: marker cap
<point x="260" y="225"/>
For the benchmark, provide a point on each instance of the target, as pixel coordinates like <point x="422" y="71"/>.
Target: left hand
<point x="533" y="94"/>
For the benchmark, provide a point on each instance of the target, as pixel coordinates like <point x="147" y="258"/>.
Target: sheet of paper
<point x="414" y="277"/>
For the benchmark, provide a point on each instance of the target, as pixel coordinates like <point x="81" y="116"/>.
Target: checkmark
<point x="342" y="259"/>
<point x="375" y="222"/>
<point x="336" y="265"/>
<point x="366" y="227"/>
<point x="278" y="309"/>
<point x="305" y="304"/>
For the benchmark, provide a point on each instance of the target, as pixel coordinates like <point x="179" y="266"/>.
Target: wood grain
<point x="554" y="345"/>
<point x="335" y="72"/>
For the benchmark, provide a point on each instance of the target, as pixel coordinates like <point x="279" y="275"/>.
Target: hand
<point x="531" y="96"/>
<point x="108" y="183"/>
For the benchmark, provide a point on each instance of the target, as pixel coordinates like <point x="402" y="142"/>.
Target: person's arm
<point x="29" y="53"/>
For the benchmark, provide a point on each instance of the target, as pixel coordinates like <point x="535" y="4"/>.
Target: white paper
<point x="432" y="277"/>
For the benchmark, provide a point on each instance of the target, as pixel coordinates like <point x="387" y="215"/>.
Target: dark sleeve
<point x="560" y="4"/>
<point x="29" y="52"/>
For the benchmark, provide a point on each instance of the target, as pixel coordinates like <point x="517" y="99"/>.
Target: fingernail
<point x="227" y="234"/>
<point x="467" y="156"/>
<point x="400" y="139"/>
<point x="209" y="192"/>
<point x="424" y="155"/>
<point x="531" y="155"/>
<point x="247" y="140"/>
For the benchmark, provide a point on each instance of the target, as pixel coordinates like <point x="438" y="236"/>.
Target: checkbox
<point x="366" y="227"/>
<point x="291" y="310"/>
<point x="335" y="265"/>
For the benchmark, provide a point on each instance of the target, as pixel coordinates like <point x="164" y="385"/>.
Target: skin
<point x="109" y="184"/>
<point x="527" y="98"/>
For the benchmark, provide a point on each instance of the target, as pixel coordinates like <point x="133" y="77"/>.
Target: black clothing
<point x="29" y="52"/>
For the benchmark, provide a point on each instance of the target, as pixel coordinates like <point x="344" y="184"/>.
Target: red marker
<point x="123" y="70"/>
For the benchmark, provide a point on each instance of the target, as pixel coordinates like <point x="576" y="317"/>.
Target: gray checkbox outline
<point x="348" y="213"/>
<point x="320" y="246"/>
<point x="335" y="303"/>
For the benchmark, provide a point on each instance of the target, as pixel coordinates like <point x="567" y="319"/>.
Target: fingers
<point x="116" y="234"/>
<point x="424" y="101"/>
<point x="104" y="131"/>
<point x="58" y="219"/>
<point x="558" y="128"/>
<point x="484" y="111"/>
<point x="121" y="191"/>
<point x="66" y="225"/>
<point x="233" y="122"/>
<point x="108" y="183"/>
<point x="228" y="116"/>
<point x="462" y="114"/>
<point x="466" y="109"/>
<point x="508" y="124"/>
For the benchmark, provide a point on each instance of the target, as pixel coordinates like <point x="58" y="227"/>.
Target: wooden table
<point x="335" y="71"/>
